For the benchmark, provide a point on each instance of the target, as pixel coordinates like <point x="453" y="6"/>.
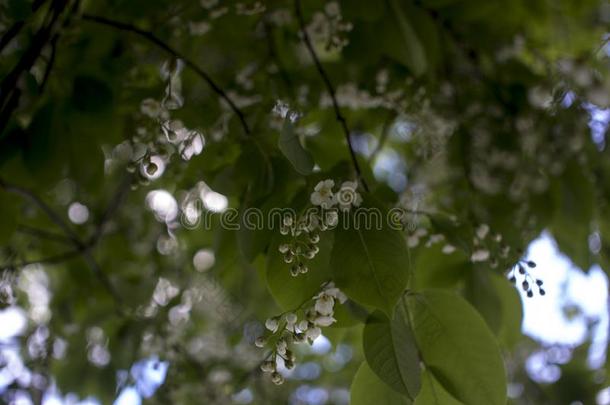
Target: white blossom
<point x="291" y="319"/>
<point x="150" y="107"/>
<point x="480" y="255"/>
<point x="331" y="218"/>
<point x="448" y="249"/>
<point x="303" y="325"/>
<point x="482" y="231"/>
<point x="347" y="196"/>
<point x="313" y="333"/>
<point x="335" y="293"/>
<point x="412" y="241"/>
<point x="323" y="194"/>
<point x="260" y="342"/>
<point x="272" y="324"/>
<point x="281" y="346"/>
<point x="324" y="304"/>
<point x="324" y="321"/>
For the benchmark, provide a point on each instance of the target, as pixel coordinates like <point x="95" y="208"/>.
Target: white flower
<point x="291" y="319"/>
<point x="323" y="194"/>
<point x="448" y="249"/>
<point x="313" y="333"/>
<point x="331" y="218"/>
<point x="348" y="196"/>
<point x="277" y="378"/>
<point x="421" y="232"/>
<point x="284" y="248"/>
<point x="324" y="321"/>
<point x="437" y="238"/>
<point x="482" y="231"/>
<point x="303" y="325"/>
<point x="480" y="255"/>
<point x="412" y="241"/>
<point x="268" y="366"/>
<point x="335" y="293"/>
<point x="150" y="107"/>
<point x="260" y="341"/>
<point x="324" y="304"/>
<point x="281" y="346"/>
<point x="272" y="324"/>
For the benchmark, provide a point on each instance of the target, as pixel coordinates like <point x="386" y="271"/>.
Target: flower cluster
<point x="345" y="198"/>
<point x="287" y="329"/>
<point x="302" y="247"/>
<point x="161" y="137"/>
<point x="527" y="280"/>
<point x="487" y="247"/>
<point x="304" y="231"/>
<point x="329" y="26"/>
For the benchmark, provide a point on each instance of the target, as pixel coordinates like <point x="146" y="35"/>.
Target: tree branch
<point x="44" y="234"/>
<point x="59" y="258"/>
<point x="112" y="207"/>
<point x="331" y="90"/>
<point x="152" y="38"/>
<point x="53" y="216"/>
<point x="80" y="247"/>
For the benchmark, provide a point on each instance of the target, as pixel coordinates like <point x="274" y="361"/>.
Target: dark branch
<point x="80" y="247"/>
<point x="53" y="216"/>
<point x="44" y="234"/>
<point x="331" y="90"/>
<point x="112" y="207"/>
<point x="152" y="38"/>
<point x="59" y="258"/>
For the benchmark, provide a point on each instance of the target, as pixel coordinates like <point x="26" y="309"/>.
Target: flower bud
<point x="272" y="324"/>
<point x="268" y="366"/>
<point x="277" y="378"/>
<point x="291" y="318"/>
<point x="260" y="341"/>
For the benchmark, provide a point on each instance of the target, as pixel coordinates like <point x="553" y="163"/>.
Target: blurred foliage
<point x="127" y="126"/>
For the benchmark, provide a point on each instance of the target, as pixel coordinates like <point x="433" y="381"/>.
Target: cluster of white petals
<point x="345" y="198"/>
<point x="288" y="329"/>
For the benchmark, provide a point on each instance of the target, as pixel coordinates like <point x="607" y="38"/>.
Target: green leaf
<point x="498" y="301"/>
<point x="370" y="264"/>
<point x="433" y="393"/>
<point x="289" y="291"/>
<point x="368" y="389"/>
<point x="413" y="55"/>
<point x="391" y="351"/>
<point x="458" y="348"/>
<point x="574" y="195"/>
<point x="481" y="293"/>
<point x="512" y="311"/>
<point x="435" y="269"/>
<point x="291" y="147"/>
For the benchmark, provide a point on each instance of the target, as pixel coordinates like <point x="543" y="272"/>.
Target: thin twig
<point x="112" y="207"/>
<point x="53" y="216"/>
<point x="152" y="38"/>
<point x="44" y="234"/>
<point x="55" y="259"/>
<point x="331" y="90"/>
<point x="80" y="247"/>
